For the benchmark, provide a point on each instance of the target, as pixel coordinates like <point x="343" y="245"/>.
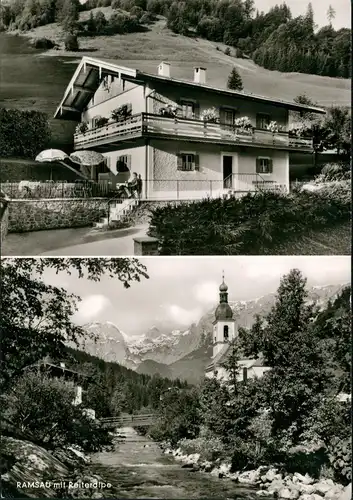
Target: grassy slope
<point x="145" y="51"/>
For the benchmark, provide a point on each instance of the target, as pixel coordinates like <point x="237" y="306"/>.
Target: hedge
<point x="23" y="133"/>
<point x="251" y="225"/>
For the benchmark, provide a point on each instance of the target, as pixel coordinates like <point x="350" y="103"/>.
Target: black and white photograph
<point x="215" y="377"/>
<point x="176" y="230"/>
<point x="160" y="127"/>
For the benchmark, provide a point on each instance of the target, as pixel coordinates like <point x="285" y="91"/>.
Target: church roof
<point x="223" y="312"/>
<point x="245" y="362"/>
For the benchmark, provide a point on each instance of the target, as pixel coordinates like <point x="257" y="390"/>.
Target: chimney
<point x="200" y="75"/>
<point x="164" y="69"/>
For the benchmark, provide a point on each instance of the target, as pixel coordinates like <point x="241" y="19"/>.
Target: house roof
<point x="87" y="78"/>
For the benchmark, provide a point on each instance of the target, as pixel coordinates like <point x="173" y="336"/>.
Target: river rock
<point x="347" y="493"/>
<point x="288" y="494"/>
<point x="263" y="493"/>
<point x="276" y="486"/>
<point x="271" y="475"/>
<point x="304" y="479"/>
<point x="306" y="488"/>
<point x="313" y="496"/>
<point x="206" y="466"/>
<point x="249" y="476"/>
<point x="334" y="493"/>
<point x="322" y="488"/>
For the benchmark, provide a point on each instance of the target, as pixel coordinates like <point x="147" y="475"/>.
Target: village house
<point x="224" y="332"/>
<point x="74" y="379"/>
<point x="186" y="139"/>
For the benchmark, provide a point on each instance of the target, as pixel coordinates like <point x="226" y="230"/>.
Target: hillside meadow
<point x="145" y="50"/>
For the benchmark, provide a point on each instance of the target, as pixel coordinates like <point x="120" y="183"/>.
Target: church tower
<point x="224" y="324"/>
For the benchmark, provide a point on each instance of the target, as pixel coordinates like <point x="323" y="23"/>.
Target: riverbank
<point x="268" y="480"/>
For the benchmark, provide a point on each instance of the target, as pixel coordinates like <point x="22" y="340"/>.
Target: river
<point x="137" y="468"/>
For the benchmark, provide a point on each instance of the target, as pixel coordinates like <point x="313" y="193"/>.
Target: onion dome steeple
<point x="223" y="311"/>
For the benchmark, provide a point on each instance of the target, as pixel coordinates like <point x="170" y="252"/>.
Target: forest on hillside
<point x="112" y="388"/>
<point x="275" y="40"/>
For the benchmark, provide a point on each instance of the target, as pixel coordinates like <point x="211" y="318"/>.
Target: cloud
<point x="182" y="316"/>
<point x="90" y="307"/>
<point x="206" y="292"/>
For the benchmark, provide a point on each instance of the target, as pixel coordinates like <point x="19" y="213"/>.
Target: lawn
<point x="328" y="241"/>
<point x="146" y="50"/>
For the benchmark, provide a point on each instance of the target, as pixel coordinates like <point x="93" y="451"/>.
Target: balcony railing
<point x="160" y="126"/>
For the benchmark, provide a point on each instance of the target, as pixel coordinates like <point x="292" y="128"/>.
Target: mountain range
<point x="176" y="353"/>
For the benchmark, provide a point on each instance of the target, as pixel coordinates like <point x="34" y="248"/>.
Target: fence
<point x="234" y="185"/>
<point x="44" y="190"/>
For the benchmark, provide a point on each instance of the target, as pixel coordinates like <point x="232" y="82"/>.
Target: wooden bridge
<point x="126" y="420"/>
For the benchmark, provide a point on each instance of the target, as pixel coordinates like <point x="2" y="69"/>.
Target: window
<point x="262" y="120"/>
<point x="245" y="374"/>
<point x="123" y="164"/>
<point x="188" y="109"/>
<point x="188" y="162"/>
<point x="215" y="339"/>
<point x="263" y="165"/>
<point x="226" y="332"/>
<point x="229" y="116"/>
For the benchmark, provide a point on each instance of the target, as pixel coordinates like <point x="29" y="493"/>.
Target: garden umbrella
<point x="51" y="155"/>
<point x="87" y="160"/>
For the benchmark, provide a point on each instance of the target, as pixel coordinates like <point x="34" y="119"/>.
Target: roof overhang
<point x="293" y="106"/>
<point x="84" y="84"/>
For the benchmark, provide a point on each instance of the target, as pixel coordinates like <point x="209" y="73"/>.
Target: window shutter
<point x="197" y="111"/>
<point x="128" y="162"/>
<point x="197" y="162"/>
<point x="179" y="162"/>
<point x="270" y="166"/>
<point x="257" y="165"/>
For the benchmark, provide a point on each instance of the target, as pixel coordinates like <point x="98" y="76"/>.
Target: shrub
<point x="71" y="43"/>
<point x="209" y="448"/>
<point x="227" y="51"/>
<point x="256" y="223"/>
<point x="43" y="43"/>
<point x="23" y="133"/>
<point x="334" y="172"/>
<point x="42" y="408"/>
<point x="340" y="456"/>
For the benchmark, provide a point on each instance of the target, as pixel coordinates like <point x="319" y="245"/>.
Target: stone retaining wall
<point x="36" y="215"/>
<point x="4" y="221"/>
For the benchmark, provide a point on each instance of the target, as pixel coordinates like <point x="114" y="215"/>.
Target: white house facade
<point x="186" y="139"/>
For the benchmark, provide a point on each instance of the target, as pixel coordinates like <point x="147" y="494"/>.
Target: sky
<point x="180" y="290"/>
<point x="299" y="7"/>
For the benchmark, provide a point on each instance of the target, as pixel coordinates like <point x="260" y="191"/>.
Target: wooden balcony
<point x="148" y="125"/>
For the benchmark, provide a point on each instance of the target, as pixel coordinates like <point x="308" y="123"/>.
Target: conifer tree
<point x="234" y="80"/>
